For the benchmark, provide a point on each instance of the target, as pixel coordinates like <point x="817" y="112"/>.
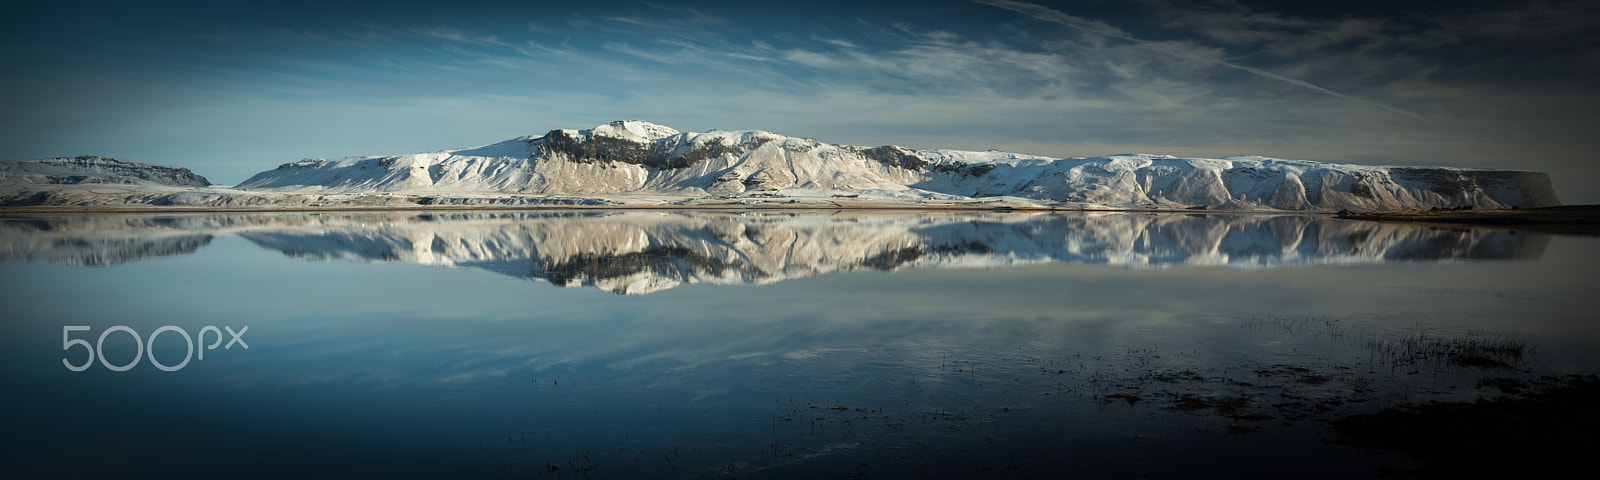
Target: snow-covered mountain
<point x="90" y="169"/>
<point x="636" y="252"/>
<point x="90" y="180"/>
<point x="636" y="157"/>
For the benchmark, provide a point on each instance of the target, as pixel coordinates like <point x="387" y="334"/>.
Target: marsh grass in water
<point x="1470" y="350"/>
<point x="1314" y="387"/>
<point x="1410" y="348"/>
<point x="983" y="404"/>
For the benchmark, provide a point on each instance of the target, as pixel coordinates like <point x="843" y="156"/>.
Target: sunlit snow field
<point x="755" y="345"/>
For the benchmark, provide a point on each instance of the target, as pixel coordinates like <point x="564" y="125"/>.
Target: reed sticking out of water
<point x="1409" y="348"/>
<point x="1467" y="351"/>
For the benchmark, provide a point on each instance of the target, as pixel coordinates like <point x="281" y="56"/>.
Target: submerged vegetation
<point x="988" y="413"/>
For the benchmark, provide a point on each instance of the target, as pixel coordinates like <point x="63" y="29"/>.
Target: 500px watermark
<point x="97" y="349"/>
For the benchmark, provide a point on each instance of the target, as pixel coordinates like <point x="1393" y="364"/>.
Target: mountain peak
<point x="638" y="130"/>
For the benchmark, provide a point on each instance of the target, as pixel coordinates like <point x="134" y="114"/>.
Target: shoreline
<point x="75" y="210"/>
<point x="1565" y="219"/>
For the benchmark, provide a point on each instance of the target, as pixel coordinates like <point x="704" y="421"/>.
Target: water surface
<point x="757" y="345"/>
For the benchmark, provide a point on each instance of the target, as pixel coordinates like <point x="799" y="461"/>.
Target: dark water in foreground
<point x="725" y="345"/>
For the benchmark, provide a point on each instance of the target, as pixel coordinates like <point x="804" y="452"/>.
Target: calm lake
<point x="668" y="344"/>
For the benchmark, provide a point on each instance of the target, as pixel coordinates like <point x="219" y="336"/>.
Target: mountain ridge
<point x="634" y="156"/>
<point x="638" y="163"/>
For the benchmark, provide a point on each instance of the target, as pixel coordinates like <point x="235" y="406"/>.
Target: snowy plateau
<point x="640" y="163"/>
<point x="90" y="169"/>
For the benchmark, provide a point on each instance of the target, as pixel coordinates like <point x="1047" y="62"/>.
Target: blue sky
<point x="229" y="90"/>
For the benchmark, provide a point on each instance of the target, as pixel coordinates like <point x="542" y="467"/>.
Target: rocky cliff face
<point x="90" y="169"/>
<point x="634" y="157"/>
<point x="1246" y="182"/>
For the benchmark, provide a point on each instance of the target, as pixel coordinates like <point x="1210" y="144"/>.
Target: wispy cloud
<point x="1176" y="49"/>
<point x="837" y="42"/>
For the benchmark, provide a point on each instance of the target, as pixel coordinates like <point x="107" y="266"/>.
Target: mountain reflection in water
<point x="639" y="252"/>
<point x="1002" y="345"/>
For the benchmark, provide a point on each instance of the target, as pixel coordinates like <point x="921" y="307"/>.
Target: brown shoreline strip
<point x="36" y="210"/>
<point x="1567" y="219"/>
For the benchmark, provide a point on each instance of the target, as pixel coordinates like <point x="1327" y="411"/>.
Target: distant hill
<point x="91" y="169"/>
